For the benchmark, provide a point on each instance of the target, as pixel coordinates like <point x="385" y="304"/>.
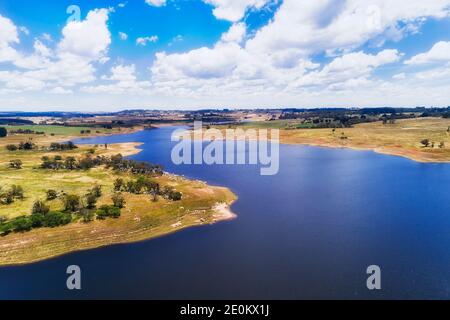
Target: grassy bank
<point x="403" y="138"/>
<point x="141" y="218"/>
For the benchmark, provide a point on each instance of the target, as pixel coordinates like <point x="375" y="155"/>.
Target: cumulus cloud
<point x="122" y="80"/>
<point x="8" y="37"/>
<point x="439" y="53"/>
<point x="234" y="10"/>
<point x="88" y="39"/>
<point x="143" y="41"/>
<point x="235" y="34"/>
<point x="156" y="3"/>
<point x="83" y="44"/>
<point x="278" y="58"/>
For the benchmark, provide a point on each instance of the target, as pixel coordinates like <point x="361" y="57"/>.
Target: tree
<point x="15" y="164"/>
<point x="97" y="191"/>
<point x="52" y="195"/>
<point x="425" y="142"/>
<point x="108" y="211"/>
<point x="72" y="203"/>
<point x="11" y="147"/>
<point x="118" y="200"/>
<point x="152" y="188"/>
<point x="17" y="191"/>
<point x="118" y="184"/>
<point x="22" y="224"/>
<point x="26" y="145"/>
<point x="39" y="207"/>
<point x="87" y="215"/>
<point x="3" y="132"/>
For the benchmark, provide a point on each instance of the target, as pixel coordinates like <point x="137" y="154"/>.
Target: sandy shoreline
<point x="223" y="213"/>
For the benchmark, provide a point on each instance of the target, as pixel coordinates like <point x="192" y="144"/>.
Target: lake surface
<point x="309" y="232"/>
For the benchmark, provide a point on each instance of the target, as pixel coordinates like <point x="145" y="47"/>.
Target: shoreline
<point x="379" y="150"/>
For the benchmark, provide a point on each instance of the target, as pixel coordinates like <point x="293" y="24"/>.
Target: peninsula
<point x="57" y="199"/>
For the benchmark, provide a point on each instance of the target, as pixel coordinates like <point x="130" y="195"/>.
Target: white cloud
<point x="8" y="37"/>
<point x="439" y="53"/>
<point x="124" y="80"/>
<point x="72" y="62"/>
<point x="24" y="30"/>
<point x="123" y="36"/>
<point x="277" y="60"/>
<point x="349" y="67"/>
<point x="142" y="41"/>
<point x="336" y="26"/>
<point x="156" y="3"/>
<point x="87" y="39"/>
<point x="60" y="90"/>
<point x="235" y="34"/>
<point x="234" y="10"/>
<point x="399" y="76"/>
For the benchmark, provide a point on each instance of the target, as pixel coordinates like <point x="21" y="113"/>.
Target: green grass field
<point x="58" y="130"/>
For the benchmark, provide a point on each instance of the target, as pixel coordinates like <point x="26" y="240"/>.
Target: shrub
<point x="38" y="220"/>
<point x="15" y="164"/>
<point x="425" y="142"/>
<point x="26" y="145"/>
<point x="91" y="201"/>
<point x="72" y="203"/>
<point x="97" y="191"/>
<point x="52" y="195"/>
<point x="118" y="184"/>
<point x="70" y="163"/>
<point x="118" y="200"/>
<point x="3" y="132"/>
<point x="21" y="224"/>
<point x="56" y="219"/>
<point x="11" y="147"/>
<point x="87" y="215"/>
<point x="39" y="207"/>
<point x="17" y="192"/>
<point x="108" y="212"/>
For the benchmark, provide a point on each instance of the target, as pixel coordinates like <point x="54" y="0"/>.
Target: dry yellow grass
<point x="402" y="138"/>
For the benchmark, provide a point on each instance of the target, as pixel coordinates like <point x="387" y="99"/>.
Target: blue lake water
<point x="309" y="232"/>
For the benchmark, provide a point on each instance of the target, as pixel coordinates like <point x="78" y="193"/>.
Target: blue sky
<point x="191" y="54"/>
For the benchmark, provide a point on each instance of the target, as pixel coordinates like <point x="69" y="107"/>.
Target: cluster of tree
<point x="344" y="117"/>
<point x="26" y="131"/>
<point x="62" y="146"/>
<point x="144" y="185"/>
<point x="28" y="145"/>
<point x="3" y="132"/>
<point x="69" y="163"/>
<point x="40" y="217"/>
<point x="118" y="163"/>
<point x="15" y="192"/>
